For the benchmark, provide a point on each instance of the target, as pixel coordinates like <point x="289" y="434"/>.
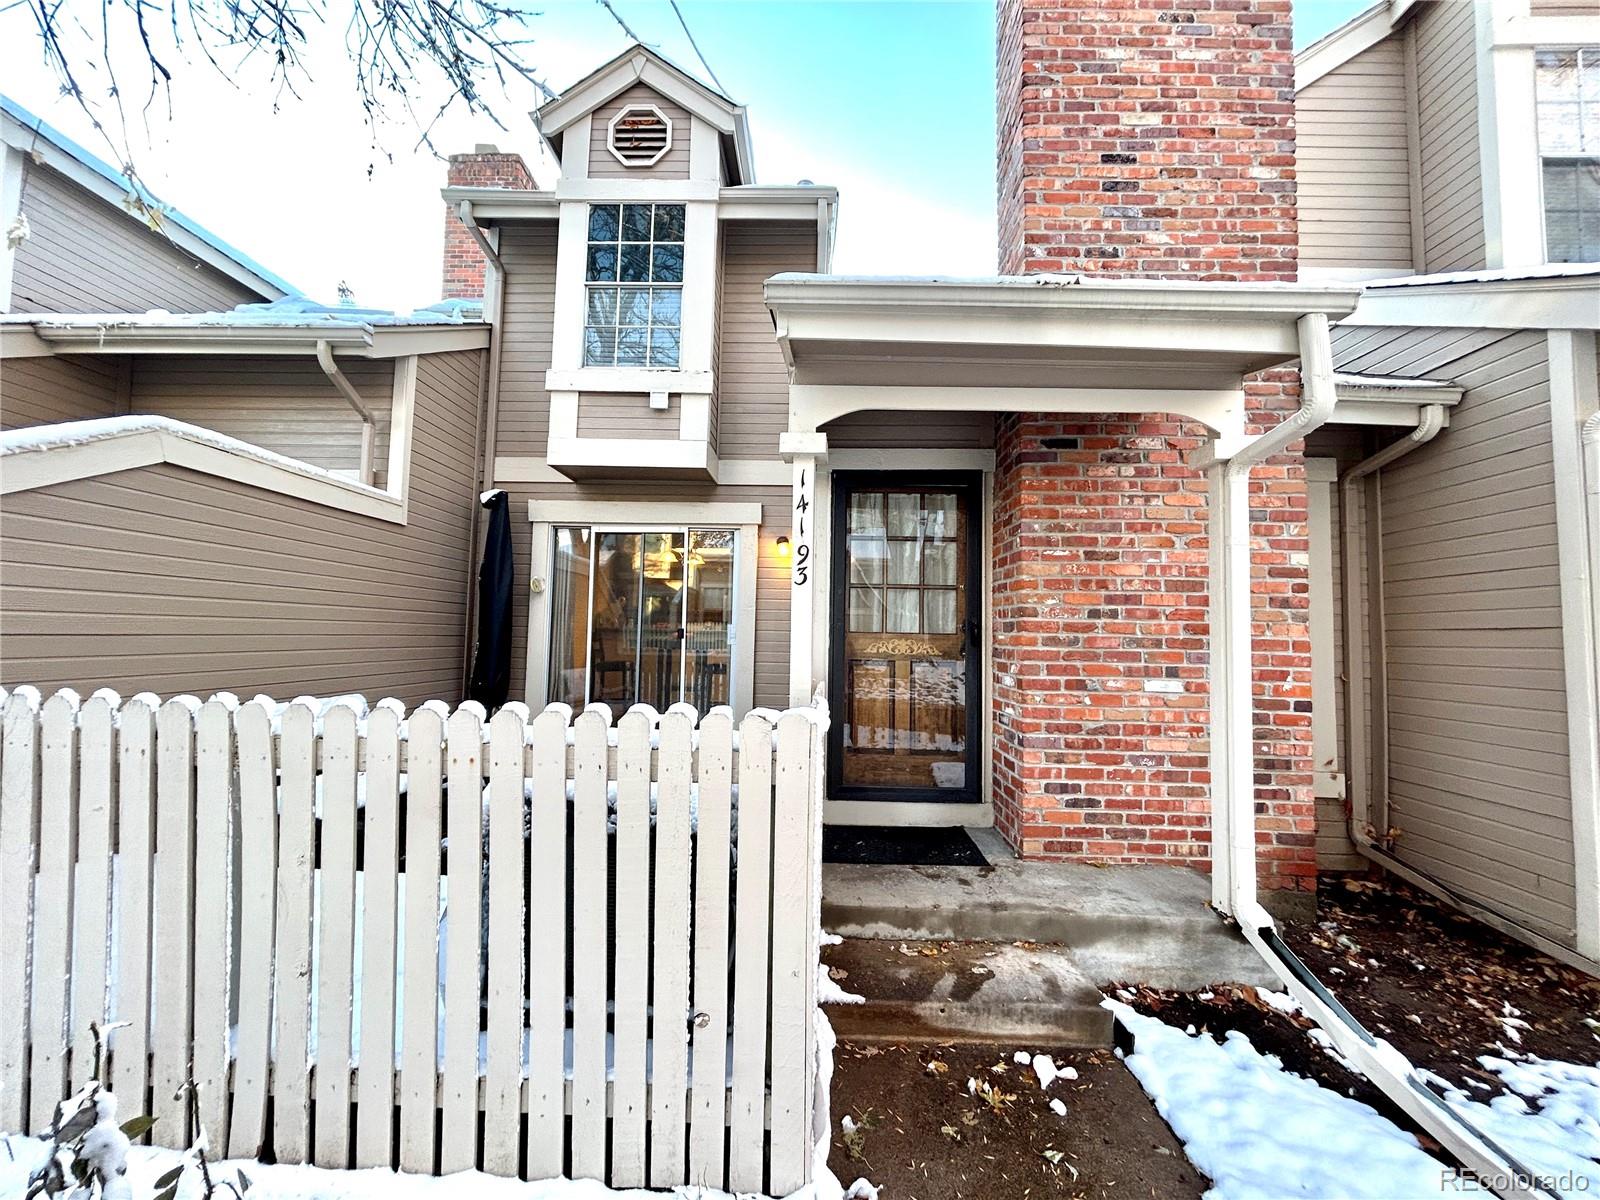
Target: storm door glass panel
<point x="569" y="616"/>
<point x="708" y="617"/>
<point x="906" y="651"/>
<point x="661" y="620"/>
<point x="614" y="646"/>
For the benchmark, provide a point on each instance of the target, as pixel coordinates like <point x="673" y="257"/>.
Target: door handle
<point x="969" y="635"/>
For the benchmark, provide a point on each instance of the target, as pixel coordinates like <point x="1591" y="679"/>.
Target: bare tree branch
<point x="399" y="52"/>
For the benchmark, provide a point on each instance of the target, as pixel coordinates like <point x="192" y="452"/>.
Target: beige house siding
<point x="523" y="421"/>
<point x="627" y="415"/>
<point x="1352" y="168"/>
<point x="753" y="407"/>
<point x="930" y="430"/>
<point x="285" y="405"/>
<point x="84" y="255"/>
<point x="47" y="390"/>
<point x="165" y="579"/>
<point x="673" y="165"/>
<point x="1478" y="781"/>
<point x="1447" y="117"/>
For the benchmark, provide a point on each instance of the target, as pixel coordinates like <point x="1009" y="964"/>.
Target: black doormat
<point x="887" y="845"/>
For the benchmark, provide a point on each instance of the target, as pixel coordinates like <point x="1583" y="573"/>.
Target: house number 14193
<point x="802" y="548"/>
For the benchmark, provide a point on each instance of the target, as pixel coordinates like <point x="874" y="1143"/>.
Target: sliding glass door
<point x="642" y="616"/>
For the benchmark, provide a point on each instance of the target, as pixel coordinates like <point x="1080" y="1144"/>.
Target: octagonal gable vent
<point x="639" y="135"/>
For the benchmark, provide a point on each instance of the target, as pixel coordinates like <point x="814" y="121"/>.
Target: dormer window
<point x="639" y="136"/>
<point x="634" y="282"/>
<point x="1568" y="93"/>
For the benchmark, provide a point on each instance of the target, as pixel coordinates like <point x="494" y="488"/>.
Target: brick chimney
<point x="1154" y="140"/>
<point x="1147" y="137"/>
<point x="486" y="166"/>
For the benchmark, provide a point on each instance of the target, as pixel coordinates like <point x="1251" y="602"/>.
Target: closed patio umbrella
<point x="491" y="663"/>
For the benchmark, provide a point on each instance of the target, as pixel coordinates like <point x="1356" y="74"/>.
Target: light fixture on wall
<point x="783" y="547"/>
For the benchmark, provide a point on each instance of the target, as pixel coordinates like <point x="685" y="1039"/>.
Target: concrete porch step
<point x="939" y="992"/>
<point x="1149" y="925"/>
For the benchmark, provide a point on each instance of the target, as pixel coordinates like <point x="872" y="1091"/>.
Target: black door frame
<point x="843" y="483"/>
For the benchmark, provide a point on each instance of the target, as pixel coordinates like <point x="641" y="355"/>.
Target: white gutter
<point x="369" y="430"/>
<point x="1357" y="774"/>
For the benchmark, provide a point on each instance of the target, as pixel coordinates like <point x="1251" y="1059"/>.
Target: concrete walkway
<point x="1149" y="925"/>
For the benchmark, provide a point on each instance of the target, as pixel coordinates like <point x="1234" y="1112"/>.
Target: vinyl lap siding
<point x="523" y="421"/>
<point x="753" y="405"/>
<point x="84" y="255"/>
<point x="912" y="431"/>
<point x="165" y="579"/>
<point x="673" y="165"/>
<point x="1352" y="172"/>
<point x="627" y="415"/>
<point x="1478" y="771"/>
<point x="284" y="405"/>
<point x="1447" y="114"/>
<point x="48" y="390"/>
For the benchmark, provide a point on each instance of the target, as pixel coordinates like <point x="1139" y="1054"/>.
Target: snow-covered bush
<point x="88" y="1151"/>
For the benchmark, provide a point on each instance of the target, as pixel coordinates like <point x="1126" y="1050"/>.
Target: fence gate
<point x="365" y="935"/>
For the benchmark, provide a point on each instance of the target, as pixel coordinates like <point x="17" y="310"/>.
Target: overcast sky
<point x="892" y="102"/>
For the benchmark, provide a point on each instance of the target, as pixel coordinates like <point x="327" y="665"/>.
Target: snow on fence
<point x="536" y="946"/>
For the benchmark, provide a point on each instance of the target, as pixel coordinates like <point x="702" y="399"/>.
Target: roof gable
<point x="639" y="64"/>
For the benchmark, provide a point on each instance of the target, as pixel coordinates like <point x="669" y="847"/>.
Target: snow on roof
<point x="1344" y="379"/>
<point x="106" y="171"/>
<point x="33" y="438"/>
<point x="291" y="312"/>
<point x="1501" y="275"/>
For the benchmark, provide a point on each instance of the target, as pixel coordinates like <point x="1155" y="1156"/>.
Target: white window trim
<point x="695" y="332"/>
<point x="1512" y="166"/>
<point x="546" y="515"/>
<point x="611" y="136"/>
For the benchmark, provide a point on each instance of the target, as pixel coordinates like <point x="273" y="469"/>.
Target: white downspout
<point x="496" y="338"/>
<point x="369" y="431"/>
<point x="1358" y="775"/>
<point x="1233" y="859"/>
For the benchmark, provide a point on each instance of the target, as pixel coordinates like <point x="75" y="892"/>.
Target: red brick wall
<point x="1147" y="138"/>
<point x="1150" y="142"/>
<point x="463" y="261"/>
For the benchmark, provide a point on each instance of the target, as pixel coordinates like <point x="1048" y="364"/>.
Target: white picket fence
<point x="603" y="964"/>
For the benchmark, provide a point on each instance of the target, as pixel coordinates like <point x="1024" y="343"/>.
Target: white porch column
<point x="803" y="451"/>
<point x="1232" y="707"/>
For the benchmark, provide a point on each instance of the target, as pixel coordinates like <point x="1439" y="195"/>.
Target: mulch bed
<point x="921" y="1136"/>
<point x="1441" y="986"/>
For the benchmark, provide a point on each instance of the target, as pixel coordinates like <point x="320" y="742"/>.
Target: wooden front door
<point x="906" y="619"/>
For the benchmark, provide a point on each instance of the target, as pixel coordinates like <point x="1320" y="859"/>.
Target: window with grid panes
<point x="1568" y="96"/>
<point x="634" y="274"/>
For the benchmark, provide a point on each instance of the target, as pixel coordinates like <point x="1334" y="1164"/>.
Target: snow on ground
<point x="1550" y="1119"/>
<point x="20" y="1156"/>
<point x="1261" y="1133"/>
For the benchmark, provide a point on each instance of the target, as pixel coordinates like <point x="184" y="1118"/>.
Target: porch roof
<point x="1069" y="343"/>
